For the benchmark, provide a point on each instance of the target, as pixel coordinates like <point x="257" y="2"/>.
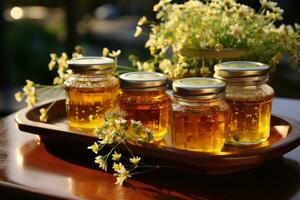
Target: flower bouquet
<point x="185" y="37"/>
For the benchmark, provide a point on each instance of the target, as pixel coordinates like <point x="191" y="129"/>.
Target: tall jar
<point x="249" y="99"/>
<point x="144" y="99"/>
<point x="198" y="114"/>
<point x="91" y="90"/>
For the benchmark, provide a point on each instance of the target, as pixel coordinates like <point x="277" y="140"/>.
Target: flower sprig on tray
<point x="117" y="131"/>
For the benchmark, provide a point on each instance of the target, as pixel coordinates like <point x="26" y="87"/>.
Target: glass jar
<point x="249" y="99"/>
<point x="198" y="114"/>
<point x="144" y="99"/>
<point x="91" y="90"/>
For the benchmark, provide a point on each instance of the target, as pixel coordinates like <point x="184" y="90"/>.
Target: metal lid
<point x="241" y="71"/>
<point x="91" y="65"/>
<point x="198" y="87"/>
<point x="149" y="81"/>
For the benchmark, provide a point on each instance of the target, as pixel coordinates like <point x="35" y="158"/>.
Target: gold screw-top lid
<point x="91" y="65"/>
<point x="241" y="71"/>
<point x="193" y="87"/>
<point x="146" y="81"/>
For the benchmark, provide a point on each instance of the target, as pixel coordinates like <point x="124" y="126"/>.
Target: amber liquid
<point x="151" y="108"/>
<point x="198" y="130"/>
<point x="83" y="102"/>
<point x="249" y="121"/>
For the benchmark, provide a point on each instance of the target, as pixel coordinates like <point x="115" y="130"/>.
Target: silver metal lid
<point x="198" y="87"/>
<point x="148" y="81"/>
<point x="91" y="65"/>
<point x="241" y="71"/>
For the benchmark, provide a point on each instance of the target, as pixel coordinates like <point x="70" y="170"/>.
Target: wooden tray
<point x="285" y="136"/>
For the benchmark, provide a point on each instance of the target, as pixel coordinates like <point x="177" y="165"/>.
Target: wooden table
<point x="29" y="169"/>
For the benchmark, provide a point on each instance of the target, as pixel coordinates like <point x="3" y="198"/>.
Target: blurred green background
<point x="32" y="29"/>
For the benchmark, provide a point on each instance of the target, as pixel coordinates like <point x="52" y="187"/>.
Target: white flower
<point x="193" y="4"/>
<point x="205" y="71"/>
<point x="94" y="147"/>
<point x="138" y="31"/>
<point x="91" y="118"/>
<point x="136" y="123"/>
<point x="243" y="10"/>
<point x="51" y="65"/>
<point x="115" y="53"/>
<point x="105" y="52"/>
<point x="57" y="80"/>
<point x="116" y="156"/>
<point x="166" y="66"/>
<point x="19" y="96"/>
<point x="135" y="160"/>
<point x="142" y="21"/>
<point x="102" y="163"/>
<point x="29" y="83"/>
<point x="107" y="138"/>
<point x="43" y="115"/>
<point x="53" y="56"/>
<point x="122" y="177"/>
<point x="236" y="30"/>
<point x="122" y="174"/>
<point x="145" y="66"/>
<point x="148" y="130"/>
<point x="161" y="4"/>
<point x="30" y="92"/>
<point x="120" y="121"/>
<point x="268" y="4"/>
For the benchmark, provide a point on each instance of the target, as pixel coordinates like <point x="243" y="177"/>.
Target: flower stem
<point x="144" y="171"/>
<point x="129" y="150"/>
<point x="112" y="149"/>
<point x="50" y="106"/>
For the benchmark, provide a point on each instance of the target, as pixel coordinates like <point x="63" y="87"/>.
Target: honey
<point x="249" y="119"/>
<point x="249" y="99"/>
<point x="144" y="99"/>
<point x="81" y="103"/>
<point x="197" y="120"/>
<point x="198" y="132"/>
<point x="91" y="90"/>
<point x="151" y="108"/>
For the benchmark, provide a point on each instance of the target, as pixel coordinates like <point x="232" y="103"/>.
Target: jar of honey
<point x="198" y="114"/>
<point x="144" y="99"/>
<point x="91" y="90"/>
<point x="249" y="99"/>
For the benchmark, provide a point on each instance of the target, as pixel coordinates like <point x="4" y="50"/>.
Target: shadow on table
<point x="276" y="179"/>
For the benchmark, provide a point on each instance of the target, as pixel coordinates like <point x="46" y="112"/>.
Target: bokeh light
<point x="16" y="13"/>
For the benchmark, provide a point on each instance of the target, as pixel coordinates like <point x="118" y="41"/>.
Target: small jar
<point x="249" y="99"/>
<point x="144" y="99"/>
<point x="198" y="114"/>
<point x="91" y="90"/>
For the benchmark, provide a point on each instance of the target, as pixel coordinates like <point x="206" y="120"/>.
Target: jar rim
<point x="143" y="81"/>
<point x="200" y="98"/>
<point x="91" y="65"/>
<point x="197" y="87"/>
<point x="241" y="71"/>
